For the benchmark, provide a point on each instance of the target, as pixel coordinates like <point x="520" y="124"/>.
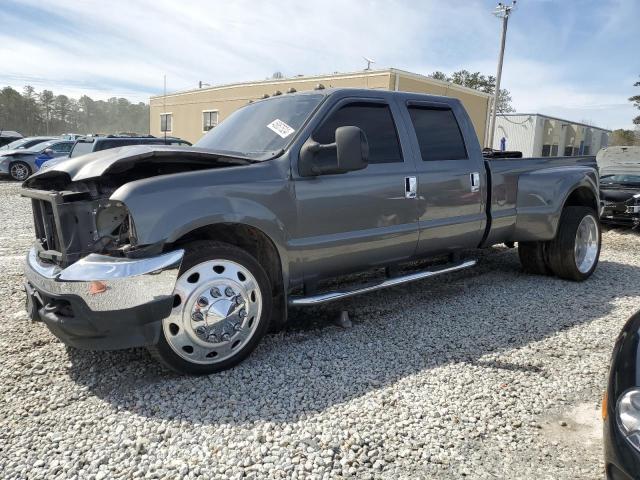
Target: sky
<point x="575" y="59"/>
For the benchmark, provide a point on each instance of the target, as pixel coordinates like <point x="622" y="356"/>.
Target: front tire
<point x="574" y="253"/>
<point x="19" y="171"/>
<point x="222" y="308"/>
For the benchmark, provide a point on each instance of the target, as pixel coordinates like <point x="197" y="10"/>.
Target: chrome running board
<point x="390" y="282"/>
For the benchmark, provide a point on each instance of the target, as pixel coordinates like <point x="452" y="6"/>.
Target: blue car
<point x="21" y="163"/>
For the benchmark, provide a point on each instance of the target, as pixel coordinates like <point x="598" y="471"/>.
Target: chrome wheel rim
<point x="19" y="171"/>
<point x="586" y="244"/>
<point x="217" y="306"/>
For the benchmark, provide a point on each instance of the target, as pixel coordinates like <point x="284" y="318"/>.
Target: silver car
<point x="22" y="162"/>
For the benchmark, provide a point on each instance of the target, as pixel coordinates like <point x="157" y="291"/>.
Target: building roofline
<point x="330" y="76"/>
<point x="272" y="81"/>
<point x="552" y="118"/>
<point x="452" y="85"/>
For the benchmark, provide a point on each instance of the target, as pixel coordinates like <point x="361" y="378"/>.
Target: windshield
<point x="15" y="144"/>
<point x="81" y="147"/>
<point x="263" y="128"/>
<point x="620" y="178"/>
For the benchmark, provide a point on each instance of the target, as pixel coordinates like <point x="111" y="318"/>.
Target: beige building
<point x="190" y="114"/>
<point x="537" y="135"/>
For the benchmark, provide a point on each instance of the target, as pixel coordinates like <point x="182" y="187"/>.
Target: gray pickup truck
<point x="197" y="252"/>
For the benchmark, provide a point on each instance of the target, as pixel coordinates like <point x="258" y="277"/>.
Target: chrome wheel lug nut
<point x="215" y="292"/>
<point x="239" y="300"/>
<point x="197" y="316"/>
<point x="226" y="337"/>
<point x="203" y="302"/>
<point x="242" y="313"/>
<point x="229" y="292"/>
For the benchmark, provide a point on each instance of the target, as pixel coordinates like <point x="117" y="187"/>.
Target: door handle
<point x="475" y="182"/>
<point x="410" y="187"/>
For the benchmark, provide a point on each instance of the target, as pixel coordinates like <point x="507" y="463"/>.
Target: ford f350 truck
<point x="196" y="252"/>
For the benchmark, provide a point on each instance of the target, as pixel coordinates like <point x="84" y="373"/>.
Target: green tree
<point x="61" y="107"/>
<point x="32" y="116"/>
<point x="33" y="113"/>
<point x="636" y="103"/>
<point x="45" y="100"/>
<point x="622" y="137"/>
<point x="478" y="81"/>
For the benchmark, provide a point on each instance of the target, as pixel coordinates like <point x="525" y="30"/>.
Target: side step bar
<point x="390" y="282"/>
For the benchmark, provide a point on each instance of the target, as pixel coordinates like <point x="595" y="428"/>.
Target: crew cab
<point x="195" y="252"/>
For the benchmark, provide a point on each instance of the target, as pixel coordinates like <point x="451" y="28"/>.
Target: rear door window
<point x="438" y="133"/>
<point x="64" y="147"/>
<point x="81" y="148"/>
<point x="374" y="119"/>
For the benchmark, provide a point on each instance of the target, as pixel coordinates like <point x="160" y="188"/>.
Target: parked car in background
<point x="197" y="252"/>
<point x="8" y="136"/>
<point x="71" y="136"/>
<point x="620" y="185"/>
<point x="23" y="143"/>
<point x="90" y="144"/>
<point x="621" y="406"/>
<point x="21" y="163"/>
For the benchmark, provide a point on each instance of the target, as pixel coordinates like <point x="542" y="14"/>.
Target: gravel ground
<point x="489" y="373"/>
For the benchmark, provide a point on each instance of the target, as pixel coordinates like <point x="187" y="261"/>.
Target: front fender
<point x="542" y="195"/>
<point x="165" y="208"/>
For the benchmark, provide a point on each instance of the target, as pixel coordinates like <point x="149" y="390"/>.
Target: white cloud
<point x="124" y="48"/>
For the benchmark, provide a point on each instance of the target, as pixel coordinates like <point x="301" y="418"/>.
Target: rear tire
<point x="19" y="171"/>
<point x="574" y="253"/>
<point x="533" y="257"/>
<point x="222" y="308"/>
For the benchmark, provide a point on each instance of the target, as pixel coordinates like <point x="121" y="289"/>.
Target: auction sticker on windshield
<point x="281" y="128"/>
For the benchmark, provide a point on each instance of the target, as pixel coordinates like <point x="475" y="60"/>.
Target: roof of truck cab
<point x="367" y="92"/>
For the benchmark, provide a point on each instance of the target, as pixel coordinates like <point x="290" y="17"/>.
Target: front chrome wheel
<point x="217" y="305"/>
<point x="586" y="244"/>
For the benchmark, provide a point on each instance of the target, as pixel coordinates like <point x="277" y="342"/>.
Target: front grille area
<point x="45" y="225"/>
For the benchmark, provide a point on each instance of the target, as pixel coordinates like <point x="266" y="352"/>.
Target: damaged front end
<point x="72" y="224"/>
<point x="87" y="276"/>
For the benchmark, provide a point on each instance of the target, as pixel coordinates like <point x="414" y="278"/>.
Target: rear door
<point x="360" y="219"/>
<point x="451" y="178"/>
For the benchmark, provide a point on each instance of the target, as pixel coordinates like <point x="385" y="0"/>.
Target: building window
<point x="568" y="151"/>
<point x="585" y="150"/>
<point x="546" y="150"/>
<point x="209" y="120"/>
<point x="166" y="121"/>
<point x="554" y="150"/>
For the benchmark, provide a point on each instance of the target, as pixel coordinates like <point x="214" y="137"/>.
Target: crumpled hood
<point x="97" y="164"/>
<point x="18" y="151"/>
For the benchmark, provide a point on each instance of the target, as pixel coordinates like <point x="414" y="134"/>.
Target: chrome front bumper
<point x="107" y="283"/>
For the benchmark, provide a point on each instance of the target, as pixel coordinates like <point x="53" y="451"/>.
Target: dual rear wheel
<point x="573" y="254"/>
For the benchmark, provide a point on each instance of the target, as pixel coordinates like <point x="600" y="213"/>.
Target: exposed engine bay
<point x="75" y="218"/>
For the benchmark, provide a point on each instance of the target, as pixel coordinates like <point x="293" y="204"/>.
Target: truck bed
<point x="506" y="176"/>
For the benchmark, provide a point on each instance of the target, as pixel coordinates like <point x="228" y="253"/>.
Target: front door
<point x="361" y="219"/>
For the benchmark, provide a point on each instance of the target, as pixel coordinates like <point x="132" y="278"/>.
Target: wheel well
<point x="251" y="239"/>
<point x="582" y="197"/>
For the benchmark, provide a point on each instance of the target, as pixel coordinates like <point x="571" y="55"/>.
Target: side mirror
<point x="352" y="153"/>
<point x="48" y="151"/>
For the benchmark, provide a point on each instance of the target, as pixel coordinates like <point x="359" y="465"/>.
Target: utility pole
<point x="502" y="11"/>
<point x="164" y="108"/>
